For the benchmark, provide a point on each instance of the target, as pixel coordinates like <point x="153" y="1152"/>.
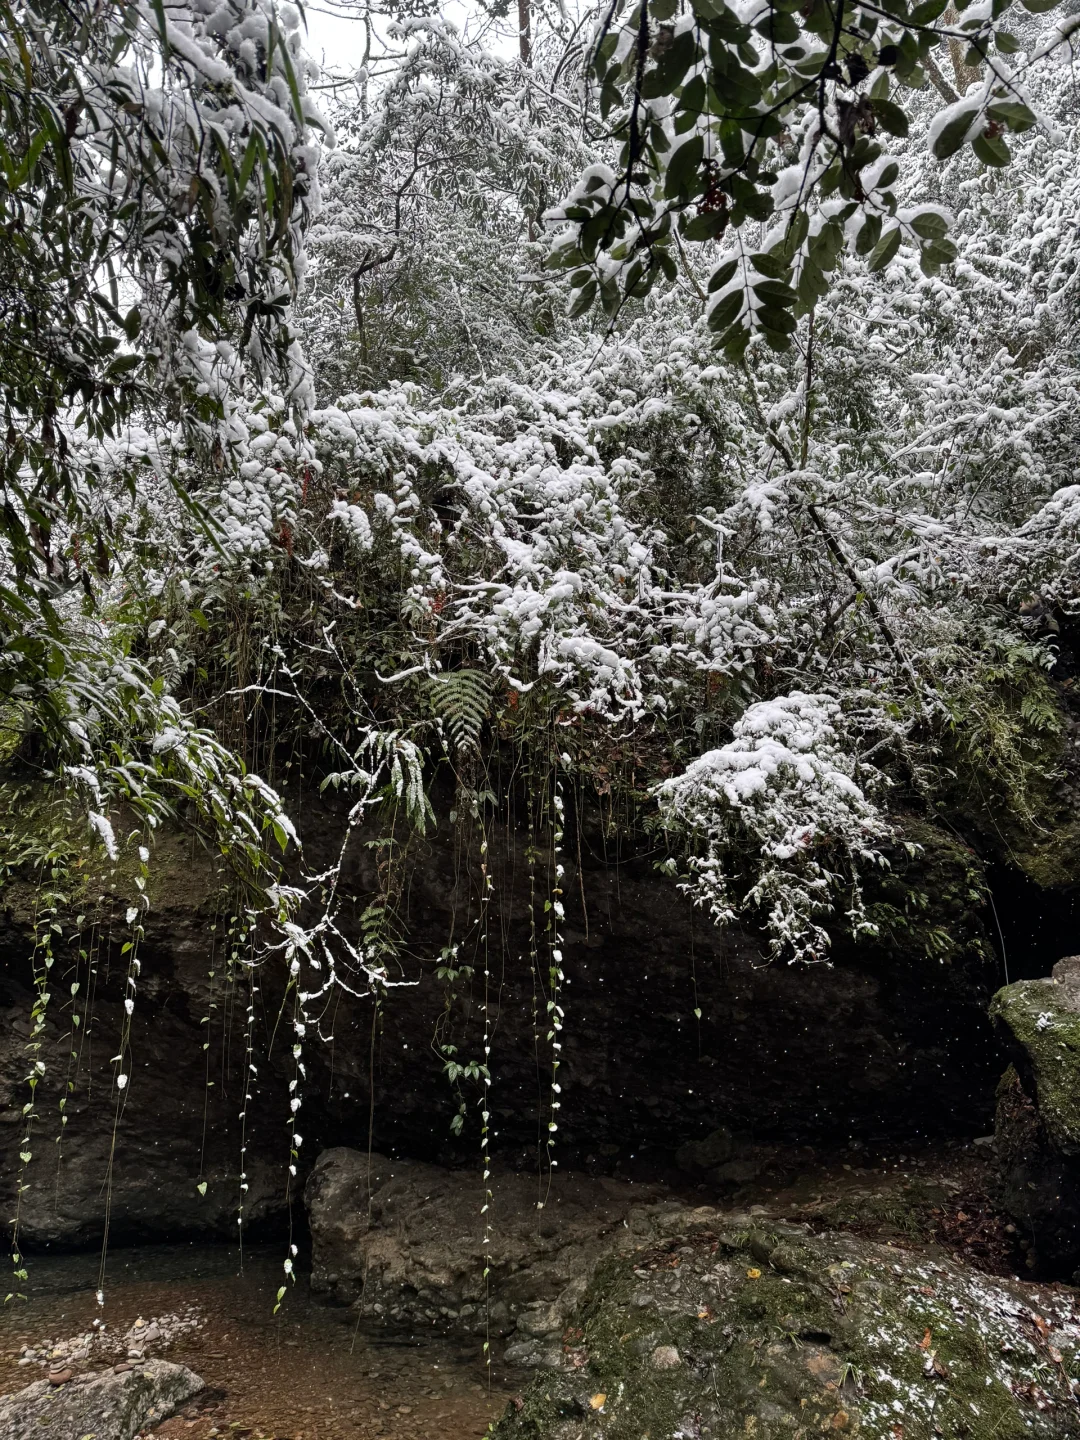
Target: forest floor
<point x="309" y="1374"/>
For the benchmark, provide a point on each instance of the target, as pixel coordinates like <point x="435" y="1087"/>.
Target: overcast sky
<point x="336" y="40"/>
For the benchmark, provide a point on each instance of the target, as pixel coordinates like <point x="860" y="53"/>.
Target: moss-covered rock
<point x="1042" y="1018"/>
<point x="1038" y="1114"/>
<point x="718" y="1325"/>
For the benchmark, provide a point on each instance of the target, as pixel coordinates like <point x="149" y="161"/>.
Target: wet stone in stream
<point x="304" y="1374"/>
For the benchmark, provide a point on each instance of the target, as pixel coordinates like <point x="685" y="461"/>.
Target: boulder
<point x="725" y="1324"/>
<point x="406" y="1244"/>
<point x="1037" y="1136"/>
<point x="106" y="1405"/>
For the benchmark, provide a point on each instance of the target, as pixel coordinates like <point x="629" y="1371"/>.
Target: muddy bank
<point x="304" y="1374"/>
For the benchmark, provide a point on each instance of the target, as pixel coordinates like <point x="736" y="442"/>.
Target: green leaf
<point x="930" y="225"/>
<point x="734" y="343"/>
<point x="954" y="132"/>
<point x="1006" y="43"/>
<point x="943" y="251"/>
<point x="928" y="11"/>
<point x="693" y="99"/>
<point x="726" y="311"/>
<point x="812" y="285"/>
<point x="778" y="28"/>
<point x="991" y="149"/>
<point x="1039" y="7"/>
<point x="201" y="1187"/>
<point x="774" y="292"/>
<point x="885" y="249"/>
<point x="706" y="226"/>
<point x="684" y="167"/>
<point x="869" y="235"/>
<point x="781" y="322"/>
<point x="583" y="298"/>
<point x="1012" y="113"/>
<point x="892" y="118"/>
<point x="722" y="274"/>
<point x="774" y="267"/>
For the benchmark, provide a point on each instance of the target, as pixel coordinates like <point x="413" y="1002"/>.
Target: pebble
<point x="665" y="1357"/>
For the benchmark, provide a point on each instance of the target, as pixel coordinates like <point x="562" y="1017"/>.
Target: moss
<point x="909" y="1211"/>
<point x="1053" y="858"/>
<point x="46" y="843"/>
<point x="1036" y="1014"/>
<point x="782" y="1333"/>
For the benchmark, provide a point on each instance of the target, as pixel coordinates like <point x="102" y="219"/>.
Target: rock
<point x="410" y="1248"/>
<point x="1037" y="1134"/>
<point x="735" y="1173"/>
<point x="875" y="1043"/>
<point x="842" y="1334"/>
<point x="697" y="1156"/>
<point x="108" y="1405"/>
<point x="532" y="1355"/>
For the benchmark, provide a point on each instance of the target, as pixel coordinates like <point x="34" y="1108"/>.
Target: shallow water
<point x="305" y="1374"/>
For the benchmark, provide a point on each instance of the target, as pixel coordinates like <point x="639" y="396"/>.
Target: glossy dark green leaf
<point x="954" y="132"/>
<point x="885" y="249"/>
<point x="684" y="167"/>
<point x="930" y="225"/>
<point x="890" y="116"/>
<point x="707" y="226"/>
<point x="782" y="322"/>
<point x="726" y="311"/>
<point x="583" y="298"/>
<point x="722" y="274"/>
<point x="1012" y="113"/>
<point x="991" y="149"/>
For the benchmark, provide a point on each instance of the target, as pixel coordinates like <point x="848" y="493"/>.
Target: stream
<point x="305" y="1374"/>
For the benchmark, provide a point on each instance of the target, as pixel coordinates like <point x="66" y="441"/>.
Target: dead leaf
<point x="597" y="1401"/>
<point x="753" y="1274"/>
<point x="924" y="1343"/>
<point x="840" y="1420"/>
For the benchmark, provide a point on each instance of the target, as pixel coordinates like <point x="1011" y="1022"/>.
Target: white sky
<point x="336" y="40"/>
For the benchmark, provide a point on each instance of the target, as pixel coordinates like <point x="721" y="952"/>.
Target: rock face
<point x="109" y="1405"/>
<point x="1038" y="1114"/>
<point x="876" y="1044"/>
<point x="179" y="1124"/>
<point x="718" y="1325"/>
<point x="410" y="1248"/>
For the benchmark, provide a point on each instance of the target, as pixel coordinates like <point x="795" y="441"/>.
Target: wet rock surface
<point x="712" y="1324"/>
<point x="112" y="1404"/>
<point x="1038" y="1115"/>
<point x="407" y="1244"/>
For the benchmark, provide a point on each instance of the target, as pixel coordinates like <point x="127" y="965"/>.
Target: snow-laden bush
<point x="789" y="786"/>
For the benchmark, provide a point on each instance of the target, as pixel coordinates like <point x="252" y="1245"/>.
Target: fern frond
<point x="462" y="701"/>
